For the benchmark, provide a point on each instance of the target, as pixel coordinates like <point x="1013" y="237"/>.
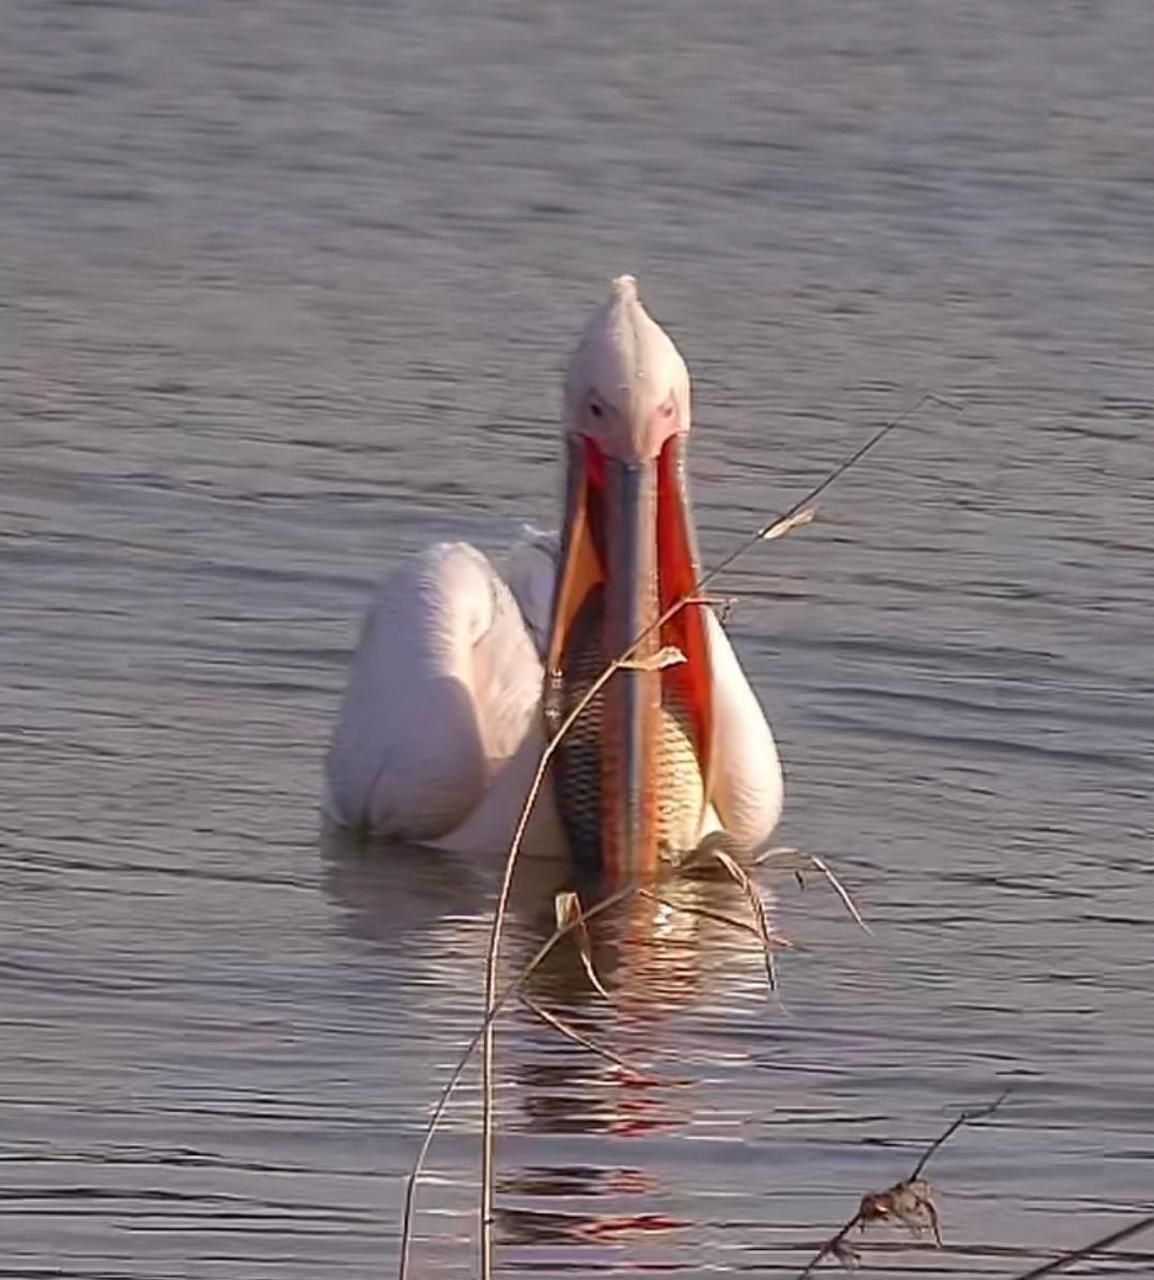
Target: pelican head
<point x="632" y="773"/>
<point x="627" y="387"/>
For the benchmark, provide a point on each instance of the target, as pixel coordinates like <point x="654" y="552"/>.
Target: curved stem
<point x="776" y="527"/>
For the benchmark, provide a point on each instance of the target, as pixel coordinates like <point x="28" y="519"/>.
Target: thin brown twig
<point x="770" y="529"/>
<point x="774" y="855"/>
<point x="494" y="949"/>
<point x="905" y="1199"/>
<point x="1095" y="1246"/>
<point x="964" y="1117"/>
<point x="513" y="988"/>
<point x="757" y="909"/>
<point x="811" y="497"/>
<point x="579" y="1037"/>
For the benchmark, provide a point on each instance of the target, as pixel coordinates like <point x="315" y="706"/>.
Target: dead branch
<point x="965" y="1117"/>
<point x="910" y="1201"/>
<point x="1095" y="1246"/>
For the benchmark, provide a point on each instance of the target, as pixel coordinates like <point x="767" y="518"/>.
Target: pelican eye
<point x="666" y="409"/>
<point x="595" y="409"/>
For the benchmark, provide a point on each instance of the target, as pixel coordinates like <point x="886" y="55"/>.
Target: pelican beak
<point x="628" y="555"/>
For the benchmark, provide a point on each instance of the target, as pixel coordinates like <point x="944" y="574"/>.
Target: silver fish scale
<point x="680" y="786"/>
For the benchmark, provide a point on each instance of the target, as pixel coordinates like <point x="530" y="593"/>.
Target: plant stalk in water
<point x="799" y="514"/>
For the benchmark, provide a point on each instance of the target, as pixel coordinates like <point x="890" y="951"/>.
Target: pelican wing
<point x="746" y="789"/>
<point x="440" y="732"/>
<point x="443" y="694"/>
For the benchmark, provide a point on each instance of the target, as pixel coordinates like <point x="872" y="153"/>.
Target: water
<point x="286" y="289"/>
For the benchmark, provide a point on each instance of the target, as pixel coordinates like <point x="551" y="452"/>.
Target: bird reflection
<point x="386" y="890"/>
<point x="631" y="1191"/>
<point x="576" y="1180"/>
<point x="666" y="944"/>
<point x="663" y="944"/>
<point x="665" y="950"/>
<point x="659" y="956"/>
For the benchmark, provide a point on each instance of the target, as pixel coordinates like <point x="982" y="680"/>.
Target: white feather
<point x="443" y="688"/>
<point x="747" y="790"/>
<point x="439" y="733"/>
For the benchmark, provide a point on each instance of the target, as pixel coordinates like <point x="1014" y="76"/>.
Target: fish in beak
<point x="632" y="773"/>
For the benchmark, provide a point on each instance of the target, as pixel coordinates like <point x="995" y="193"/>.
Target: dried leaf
<point x="667" y="656"/>
<point x="757" y="907"/>
<point x="567" y="912"/>
<point x="911" y="1203"/>
<point x="787" y="524"/>
<point x="566" y="908"/>
<point x="845" y="1253"/>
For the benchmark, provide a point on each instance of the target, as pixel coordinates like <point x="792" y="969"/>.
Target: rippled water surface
<point x="285" y="290"/>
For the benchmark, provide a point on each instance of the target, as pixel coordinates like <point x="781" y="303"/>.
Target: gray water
<point x="285" y="291"/>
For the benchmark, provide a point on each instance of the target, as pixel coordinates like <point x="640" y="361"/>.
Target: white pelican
<point x="460" y="672"/>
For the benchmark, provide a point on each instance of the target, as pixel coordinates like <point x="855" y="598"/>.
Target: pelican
<point x="463" y="671"/>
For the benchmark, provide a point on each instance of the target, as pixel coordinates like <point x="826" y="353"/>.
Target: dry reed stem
<point x="964" y="1117"/>
<point x="772" y="528"/>
<point x="757" y="909"/>
<point x="1095" y="1246"/>
<point x="494" y="949"/>
<point x="579" y="1037"/>
<point x="812" y="859"/>
<point x="909" y="1201"/>
<point x="514" y="988"/>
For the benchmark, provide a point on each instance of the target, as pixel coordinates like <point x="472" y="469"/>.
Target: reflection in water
<point x="656" y="950"/>
<point x="533" y="1227"/>
<point x="655" y="958"/>
<point x="576" y="1180"/>
<point x="654" y="954"/>
<point x="387" y="889"/>
<point x="629" y="1189"/>
<point x="558" y="1098"/>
